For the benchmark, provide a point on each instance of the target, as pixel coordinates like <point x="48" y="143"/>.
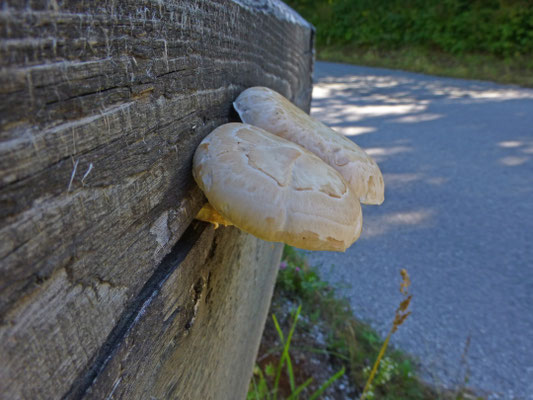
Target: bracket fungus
<point x="267" y="109"/>
<point x="275" y="189"/>
<point x="285" y="177"/>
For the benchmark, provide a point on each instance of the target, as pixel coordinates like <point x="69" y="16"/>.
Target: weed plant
<point x="266" y="385"/>
<point x="349" y="342"/>
<point x="352" y="346"/>
<point x="386" y="370"/>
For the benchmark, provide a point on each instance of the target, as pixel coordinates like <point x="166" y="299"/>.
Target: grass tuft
<point x="265" y="389"/>
<point x="330" y="345"/>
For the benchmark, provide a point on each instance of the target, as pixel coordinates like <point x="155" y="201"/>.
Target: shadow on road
<point x="457" y="158"/>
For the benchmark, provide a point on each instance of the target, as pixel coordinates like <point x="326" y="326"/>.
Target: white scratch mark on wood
<point x="87" y="173"/>
<point x="115" y="386"/>
<point x="161" y="232"/>
<point x="165" y="54"/>
<point x="30" y="89"/>
<point x="73" y="173"/>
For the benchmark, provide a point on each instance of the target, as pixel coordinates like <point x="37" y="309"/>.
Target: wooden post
<point x="108" y="289"/>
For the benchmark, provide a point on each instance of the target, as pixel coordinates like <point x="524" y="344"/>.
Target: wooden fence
<point x="108" y="288"/>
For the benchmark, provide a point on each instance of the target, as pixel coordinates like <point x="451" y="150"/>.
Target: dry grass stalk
<point x="399" y="318"/>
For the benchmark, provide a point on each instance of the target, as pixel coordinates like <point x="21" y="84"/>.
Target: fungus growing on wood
<point x="267" y="109"/>
<point x="208" y="214"/>
<point x="275" y="189"/>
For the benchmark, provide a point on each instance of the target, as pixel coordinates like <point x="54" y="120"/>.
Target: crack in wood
<point x="135" y="310"/>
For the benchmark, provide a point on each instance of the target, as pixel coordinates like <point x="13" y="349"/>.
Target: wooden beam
<point x="101" y="108"/>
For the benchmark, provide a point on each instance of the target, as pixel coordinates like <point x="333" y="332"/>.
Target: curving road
<point x="457" y="158"/>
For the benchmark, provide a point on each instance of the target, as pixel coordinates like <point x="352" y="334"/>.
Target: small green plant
<point x="347" y="342"/>
<point x="299" y="279"/>
<point x="260" y="388"/>
<point x="388" y="369"/>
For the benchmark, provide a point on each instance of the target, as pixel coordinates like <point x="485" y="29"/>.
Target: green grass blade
<point x="254" y="393"/>
<point x="278" y="328"/>
<point x="327" y="384"/>
<point x="285" y="355"/>
<point x="281" y="360"/>
<point x="290" y="372"/>
<point x="256" y="389"/>
<point x="296" y="393"/>
<point x="287" y="346"/>
<point x="288" y="359"/>
<point x="262" y="383"/>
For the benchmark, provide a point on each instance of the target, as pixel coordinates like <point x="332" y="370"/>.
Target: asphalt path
<point x="457" y="158"/>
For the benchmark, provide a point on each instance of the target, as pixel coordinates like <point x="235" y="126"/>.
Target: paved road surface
<point x="457" y="158"/>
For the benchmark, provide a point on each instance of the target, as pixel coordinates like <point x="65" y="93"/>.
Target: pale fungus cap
<point x="267" y="109"/>
<point x="275" y="189"/>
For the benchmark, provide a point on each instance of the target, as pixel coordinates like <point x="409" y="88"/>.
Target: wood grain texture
<point x="102" y="105"/>
<point x="198" y="338"/>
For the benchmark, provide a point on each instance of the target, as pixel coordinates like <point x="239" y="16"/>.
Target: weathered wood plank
<point x="184" y="342"/>
<point x="101" y="108"/>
